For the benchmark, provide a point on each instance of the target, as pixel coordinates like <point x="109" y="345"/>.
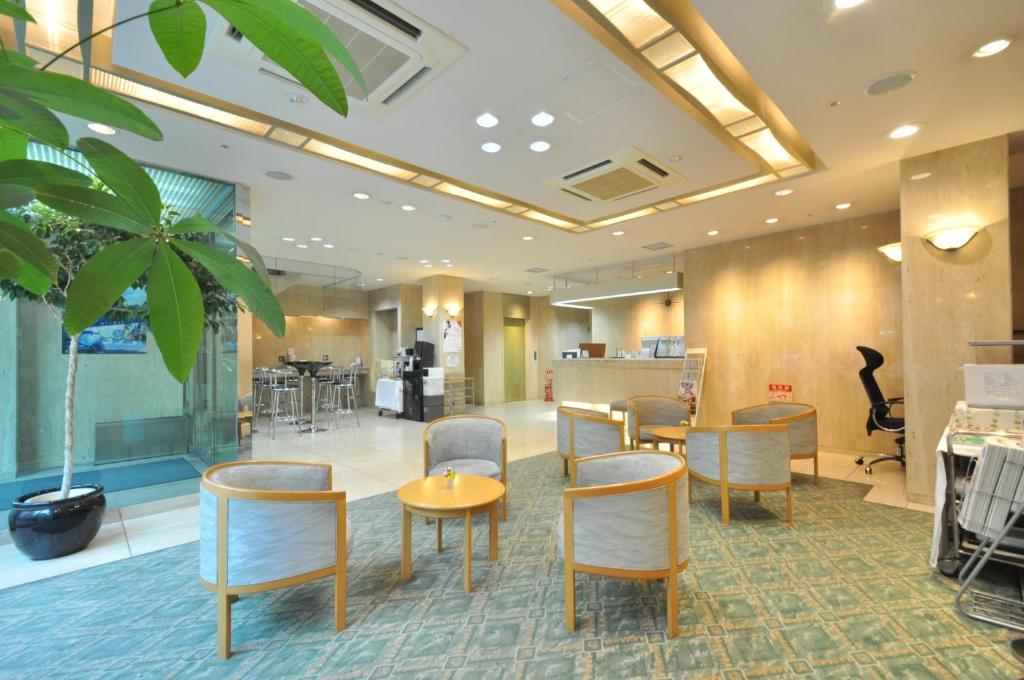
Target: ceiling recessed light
<point x="328" y="245"/>
<point x="713" y="232"/>
<point x="771" y="220"/>
<point x="540" y="146"/>
<point x="302" y="245"/>
<point x="424" y="261"/>
<point x="361" y="195"/>
<point x="843" y="206"/>
<point x="783" y="192"/>
<point x="450" y="265"/>
<point x="921" y="175"/>
<point x="906" y="130"/>
<point x="618" y="233"/>
<point x="491" y="147"/>
<point x="529" y="292"/>
<point x="428" y="266"/>
<point x="378" y="279"/>
<point x="101" y="129"/>
<point x="990" y="48"/>
<point x="279" y="175"/>
<point x="445" y="261"/>
<point x="847" y="4"/>
<point x="315" y="239"/>
<point x="487" y="120"/>
<point x="669" y="271"/>
<point x="527" y="238"/>
<point x="542" y="119"/>
<point x="408" y="208"/>
<point x="289" y="239"/>
<point x="551" y="287"/>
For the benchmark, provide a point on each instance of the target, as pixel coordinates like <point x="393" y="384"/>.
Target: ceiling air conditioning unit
<point x="626" y="173"/>
<point x="397" y="52"/>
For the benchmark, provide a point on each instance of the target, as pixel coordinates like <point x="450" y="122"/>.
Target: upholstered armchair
<point x="627" y="517"/>
<point x="470" y="445"/>
<point x="646" y="412"/>
<point x="803" y="426"/>
<point x="266" y="525"/>
<point x="582" y="432"/>
<point x="749" y="457"/>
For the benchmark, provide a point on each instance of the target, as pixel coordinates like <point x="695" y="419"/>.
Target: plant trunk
<point x="69" y="417"/>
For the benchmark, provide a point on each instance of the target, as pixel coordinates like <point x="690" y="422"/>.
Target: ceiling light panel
<point x="635" y="20"/>
<point x="338" y="154"/>
<point x="456" y="190"/>
<point x="287" y="137"/>
<point x="547" y="219"/>
<point x="727" y="189"/>
<point x="623" y="218"/>
<point x="668" y="50"/>
<point x="765" y="145"/>
<point x="694" y="76"/>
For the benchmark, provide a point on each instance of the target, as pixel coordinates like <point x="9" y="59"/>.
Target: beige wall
<point x="622" y="322"/>
<point x="443" y="294"/>
<point x="951" y="297"/>
<point x="311" y="336"/>
<point x="312" y="301"/>
<point x="791" y="308"/>
<point x="485" y="345"/>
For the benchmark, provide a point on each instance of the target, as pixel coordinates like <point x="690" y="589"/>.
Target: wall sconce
<point x="453" y="309"/>
<point x="429" y="311"/>
<point x="952" y="238"/>
<point x="893" y="251"/>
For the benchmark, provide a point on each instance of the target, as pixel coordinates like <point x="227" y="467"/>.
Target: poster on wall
<point x="110" y="336"/>
<point x="692" y="379"/>
<point x="782" y="393"/>
<point x="452" y="336"/>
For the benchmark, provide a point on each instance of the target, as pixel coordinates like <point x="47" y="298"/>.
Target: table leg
<point x="467" y="567"/>
<point x="406" y="544"/>
<point x="493" y="540"/>
<point x="438" y="521"/>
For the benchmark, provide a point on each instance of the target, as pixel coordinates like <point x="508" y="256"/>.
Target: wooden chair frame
<point x="723" y="467"/>
<point x="670" y="574"/>
<point x="228" y="595"/>
<point x="811" y="412"/>
<point x="569" y="457"/>
<point x="631" y="413"/>
<point x="504" y="454"/>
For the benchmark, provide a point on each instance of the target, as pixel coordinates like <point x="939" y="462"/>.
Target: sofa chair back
<point x="654" y="410"/>
<point x="582" y="433"/>
<point x="462" y="437"/>
<point x="749" y="455"/>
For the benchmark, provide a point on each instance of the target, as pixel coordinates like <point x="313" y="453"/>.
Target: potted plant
<point x="107" y="231"/>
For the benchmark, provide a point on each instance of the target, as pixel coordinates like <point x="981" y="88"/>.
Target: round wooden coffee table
<point x="431" y="497"/>
<point x="674" y="436"/>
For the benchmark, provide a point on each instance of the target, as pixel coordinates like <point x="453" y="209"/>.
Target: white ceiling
<point x="801" y="53"/>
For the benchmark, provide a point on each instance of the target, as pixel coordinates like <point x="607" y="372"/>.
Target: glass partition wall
<point x="140" y="433"/>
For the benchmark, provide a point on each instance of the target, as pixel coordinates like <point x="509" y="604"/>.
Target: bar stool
<point x="283" y="387"/>
<point x="343" y="394"/>
<point x="327" y="378"/>
<point x="261" y="381"/>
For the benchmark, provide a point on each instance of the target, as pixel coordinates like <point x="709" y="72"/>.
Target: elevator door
<point x="515" y="360"/>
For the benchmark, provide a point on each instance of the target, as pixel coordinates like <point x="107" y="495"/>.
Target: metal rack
<point x="459" y="394"/>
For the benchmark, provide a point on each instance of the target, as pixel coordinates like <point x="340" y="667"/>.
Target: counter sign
<point x="780" y="393"/>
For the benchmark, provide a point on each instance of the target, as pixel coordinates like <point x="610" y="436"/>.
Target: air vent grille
<point x="579" y="196"/>
<point x="660" y="245"/>
<point x="614" y="184"/>
<point x="626" y="173"/>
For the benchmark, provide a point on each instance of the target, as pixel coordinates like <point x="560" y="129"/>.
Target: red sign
<point x="549" y="377"/>
<point x="780" y="393"/>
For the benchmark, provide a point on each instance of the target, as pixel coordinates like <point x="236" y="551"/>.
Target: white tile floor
<point x="378" y="456"/>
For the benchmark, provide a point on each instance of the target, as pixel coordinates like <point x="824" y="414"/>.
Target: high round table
<point x="431" y="497"/>
<point x="313" y="368"/>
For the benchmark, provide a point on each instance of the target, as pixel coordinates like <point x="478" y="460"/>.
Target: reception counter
<point x="602" y="381"/>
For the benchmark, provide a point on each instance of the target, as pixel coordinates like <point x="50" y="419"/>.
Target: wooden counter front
<point x="602" y="381"/>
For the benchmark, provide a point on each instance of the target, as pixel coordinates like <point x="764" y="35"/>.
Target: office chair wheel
<point x="859" y="461"/>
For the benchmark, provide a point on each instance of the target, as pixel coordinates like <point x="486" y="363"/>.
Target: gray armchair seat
<point x="582" y="433"/>
<point x="647" y="412"/>
<point x="747" y="457"/>
<point x="801" y="418"/>
<point x="470" y="445"/>
<point x="267" y="525"/>
<point x="627" y="516"/>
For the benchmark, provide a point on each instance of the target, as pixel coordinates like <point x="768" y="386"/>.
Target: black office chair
<point x="880" y="413"/>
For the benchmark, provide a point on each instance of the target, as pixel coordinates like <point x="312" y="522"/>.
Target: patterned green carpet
<point x="845" y="592"/>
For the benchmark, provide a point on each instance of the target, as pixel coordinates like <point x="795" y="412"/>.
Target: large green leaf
<point x="288" y="47"/>
<point x="78" y="98"/>
<point x="313" y="28"/>
<point x="18" y="112"/>
<point x="13" y="196"/>
<point x="201" y="225"/>
<point x="103" y="279"/>
<point x="13" y="144"/>
<point x="238" y="279"/>
<point x="10" y="9"/>
<point x="10" y="266"/>
<point x="33" y="280"/>
<point x="16" y="237"/>
<point x="93" y="206"/>
<point x="180" y="31"/>
<point x="126" y="177"/>
<point x="18" y="59"/>
<point x="176" y="314"/>
<point x="28" y="173"/>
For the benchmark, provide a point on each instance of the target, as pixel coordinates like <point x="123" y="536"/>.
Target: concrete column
<point x="950" y="297"/>
<point x="442" y="310"/>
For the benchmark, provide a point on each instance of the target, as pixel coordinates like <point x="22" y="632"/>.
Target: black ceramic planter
<point x="43" y="526"/>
